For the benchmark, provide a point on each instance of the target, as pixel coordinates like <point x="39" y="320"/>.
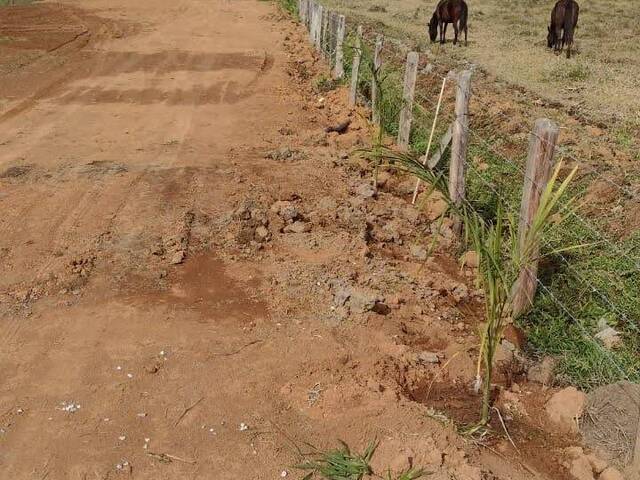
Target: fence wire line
<point x="564" y="259"/>
<point x="487" y="145"/>
<point x="601" y="294"/>
<point x="589" y="337"/>
<point x="562" y="151"/>
<point x="585" y="332"/>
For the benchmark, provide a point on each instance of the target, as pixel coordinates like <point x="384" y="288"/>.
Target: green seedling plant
<point x="342" y="464"/>
<point x="339" y="464"/>
<point x="502" y="254"/>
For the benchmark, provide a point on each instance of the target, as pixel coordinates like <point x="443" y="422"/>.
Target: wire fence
<point x="599" y="282"/>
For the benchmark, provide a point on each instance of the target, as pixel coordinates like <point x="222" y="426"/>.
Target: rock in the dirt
<point x="418" y="252"/>
<point x="597" y="464"/>
<point x="580" y="468"/>
<point x="285" y="154"/>
<point x="327" y="205"/>
<point x="298" y="227"/>
<point x="565" y="408"/>
<point x="262" y="234"/>
<point x="339" y="128"/>
<point x="611" y="474"/>
<point x="289" y="213"/>
<point x="609" y="337"/>
<point x="362" y="301"/>
<point x="433" y="206"/>
<point x="543" y="372"/>
<point x="177" y="258"/>
<point x="286" y="210"/>
<point x="243" y="212"/>
<point x="428" y="357"/>
<point x="341" y="294"/>
<point x="366" y="190"/>
<point x="470" y="259"/>
<point x="460" y="293"/>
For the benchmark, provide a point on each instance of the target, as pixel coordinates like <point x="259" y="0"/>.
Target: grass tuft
<point x="340" y="463"/>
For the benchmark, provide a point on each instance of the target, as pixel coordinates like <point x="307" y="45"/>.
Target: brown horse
<point x="564" y="18"/>
<point x="449" y="11"/>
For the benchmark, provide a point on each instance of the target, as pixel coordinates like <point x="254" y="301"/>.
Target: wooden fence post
<point x="540" y="163"/>
<point x="333" y="33"/>
<point x="406" y="115"/>
<point x="459" y="142"/>
<point x="301" y="10"/>
<point x="318" y="28"/>
<point x="338" y="70"/>
<point x="311" y="21"/>
<point x="326" y="50"/>
<point x="355" y="68"/>
<point x="377" y="66"/>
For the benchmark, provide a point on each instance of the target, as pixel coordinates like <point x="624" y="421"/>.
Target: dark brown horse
<point x="449" y="11"/>
<point x="564" y="18"/>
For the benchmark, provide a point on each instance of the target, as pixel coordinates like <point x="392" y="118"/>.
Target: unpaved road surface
<point x="194" y="277"/>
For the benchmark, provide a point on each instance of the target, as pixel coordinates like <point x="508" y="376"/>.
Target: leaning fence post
<point x="459" y="142"/>
<point x="406" y="115"/>
<point x="355" y="68"/>
<point x="338" y="70"/>
<point x="377" y="66"/>
<point x="540" y="162"/>
<point x="311" y="20"/>
<point x="324" y="42"/>
<point x="318" y="28"/>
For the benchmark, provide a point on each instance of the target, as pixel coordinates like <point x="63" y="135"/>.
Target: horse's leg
<point x="444" y="33"/>
<point x="559" y="40"/>
<point x="456" y="29"/>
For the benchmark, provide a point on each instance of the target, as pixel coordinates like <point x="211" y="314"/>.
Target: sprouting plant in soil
<point x="502" y="254"/>
<point x="343" y="464"/>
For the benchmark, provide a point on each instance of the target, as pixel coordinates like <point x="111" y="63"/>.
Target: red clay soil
<point x="195" y="278"/>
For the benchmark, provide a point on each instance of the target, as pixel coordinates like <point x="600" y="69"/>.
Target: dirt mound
<point x="612" y="421"/>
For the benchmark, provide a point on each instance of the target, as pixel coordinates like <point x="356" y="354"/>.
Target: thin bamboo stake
<point x="433" y="129"/>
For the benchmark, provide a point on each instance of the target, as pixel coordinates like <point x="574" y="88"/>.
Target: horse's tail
<point x="570" y="23"/>
<point x="464" y="16"/>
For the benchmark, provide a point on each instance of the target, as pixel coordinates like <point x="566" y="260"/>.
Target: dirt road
<point x="176" y="305"/>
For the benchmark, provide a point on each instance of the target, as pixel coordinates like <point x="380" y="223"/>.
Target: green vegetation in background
<point x="10" y="3"/>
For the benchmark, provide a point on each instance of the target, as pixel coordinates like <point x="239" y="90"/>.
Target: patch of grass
<point x="325" y="83"/>
<point x="10" y="3"/>
<point x="342" y="464"/>
<point x="290" y="6"/>
<point x="568" y="71"/>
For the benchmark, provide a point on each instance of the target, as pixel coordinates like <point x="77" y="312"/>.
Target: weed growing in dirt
<point x="342" y="464"/>
<point x="339" y="464"/>
<point x="572" y="72"/>
<point x="290" y="6"/>
<point x="325" y="83"/>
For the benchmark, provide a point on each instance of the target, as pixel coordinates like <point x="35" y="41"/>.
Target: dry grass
<point x="508" y="38"/>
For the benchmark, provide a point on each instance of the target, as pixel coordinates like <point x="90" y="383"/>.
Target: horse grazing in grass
<point x="564" y="18"/>
<point x="449" y="11"/>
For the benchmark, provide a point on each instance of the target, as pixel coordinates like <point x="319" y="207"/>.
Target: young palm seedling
<point x="502" y="255"/>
